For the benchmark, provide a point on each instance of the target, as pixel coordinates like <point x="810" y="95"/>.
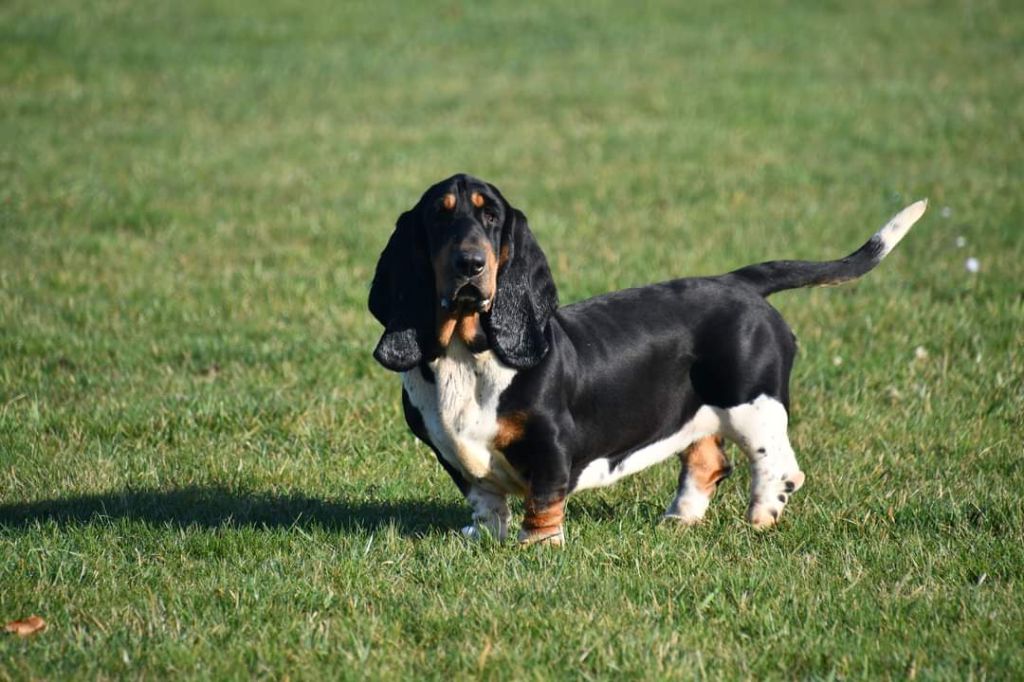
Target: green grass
<point x="204" y="473"/>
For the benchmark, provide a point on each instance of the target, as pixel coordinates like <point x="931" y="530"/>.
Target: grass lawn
<point x="203" y="472"/>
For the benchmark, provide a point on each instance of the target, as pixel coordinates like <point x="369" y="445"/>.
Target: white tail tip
<point x="900" y="224"/>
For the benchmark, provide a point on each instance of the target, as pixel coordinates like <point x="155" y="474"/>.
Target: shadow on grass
<point x="219" y="507"/>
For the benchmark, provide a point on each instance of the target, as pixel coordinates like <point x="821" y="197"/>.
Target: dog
<point x="518" y="396"/>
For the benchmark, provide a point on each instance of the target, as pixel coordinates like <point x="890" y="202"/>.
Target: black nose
<point x="470" y="263"/>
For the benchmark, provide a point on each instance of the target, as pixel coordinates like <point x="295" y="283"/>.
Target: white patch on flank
<point x="899" y="225"/>
<point x="460" y="412"/>
<point x="599" y="473"/>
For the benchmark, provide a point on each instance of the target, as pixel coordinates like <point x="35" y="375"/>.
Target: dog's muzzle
<point x="467" y="298"/>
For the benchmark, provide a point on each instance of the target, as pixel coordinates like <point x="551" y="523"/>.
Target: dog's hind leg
<point x="491" y="515"/>
<point x="760" y="429"/>
<point x="704" y="466"/>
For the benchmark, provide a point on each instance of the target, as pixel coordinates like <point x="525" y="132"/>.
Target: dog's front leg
<point x="490" y="514"/>
<point x="542" y="520"/>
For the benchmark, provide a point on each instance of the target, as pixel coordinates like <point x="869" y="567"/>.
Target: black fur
<point x="630" y="368"/>
<point x="402" y="297"/>
<point x="525" y="299"/>
<point x="768" y="278"/>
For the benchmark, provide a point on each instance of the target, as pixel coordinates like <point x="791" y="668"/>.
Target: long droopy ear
<point x="525" y="298"/>
<point x="402" y="296"/>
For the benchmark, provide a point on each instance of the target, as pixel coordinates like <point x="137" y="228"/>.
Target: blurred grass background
<point x="204" y="473"/>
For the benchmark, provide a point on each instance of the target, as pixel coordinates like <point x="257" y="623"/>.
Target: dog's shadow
<point x="221" y="507"/>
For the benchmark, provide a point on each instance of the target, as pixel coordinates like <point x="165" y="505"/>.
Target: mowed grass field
<point x="203" y="472"/>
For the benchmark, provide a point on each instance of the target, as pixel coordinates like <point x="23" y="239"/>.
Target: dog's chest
<point x="460" y="412"/>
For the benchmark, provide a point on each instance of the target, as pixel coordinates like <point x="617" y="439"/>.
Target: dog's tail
<point x="779" y="275"/>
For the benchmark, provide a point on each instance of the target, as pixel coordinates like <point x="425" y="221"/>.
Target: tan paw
<point x="762" y="516"/>
<point x="553" y="536"/>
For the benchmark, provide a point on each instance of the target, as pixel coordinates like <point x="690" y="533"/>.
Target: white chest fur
<point x="460" y="412"/>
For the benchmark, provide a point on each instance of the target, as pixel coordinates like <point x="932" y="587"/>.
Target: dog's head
<point x="462" y="262"/>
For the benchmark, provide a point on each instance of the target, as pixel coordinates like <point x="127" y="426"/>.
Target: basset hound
<point x="518" y="396"/>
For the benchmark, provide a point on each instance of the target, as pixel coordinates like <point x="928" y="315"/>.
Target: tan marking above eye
<point x="449" y="202"/>
<point x="477" y="199"/>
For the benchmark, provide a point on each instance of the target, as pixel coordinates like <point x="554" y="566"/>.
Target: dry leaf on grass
<point x="27" y="627"/>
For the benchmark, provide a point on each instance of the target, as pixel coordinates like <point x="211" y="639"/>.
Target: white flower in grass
<point x="837" y="361"/>
<point x="946" y="212"/>
<point x="921" y="353"/>
<point x="972" y="264"/>
<point x="961" y="242"/>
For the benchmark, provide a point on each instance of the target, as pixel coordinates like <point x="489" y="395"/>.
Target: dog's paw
<point x="553" y="536"/>
<point x="688" y="509"/>
<point x="771" y="498"/>
<point x="477" y="533"/>
<point x="681" y="519"/>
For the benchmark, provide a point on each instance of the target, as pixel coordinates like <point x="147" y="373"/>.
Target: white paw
<point x="476" y="533"/>
<point x="770" y="499"/>
<point x="688" y="509"/>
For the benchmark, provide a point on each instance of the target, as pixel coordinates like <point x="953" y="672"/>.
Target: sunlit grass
<point x="204" y="473"/>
